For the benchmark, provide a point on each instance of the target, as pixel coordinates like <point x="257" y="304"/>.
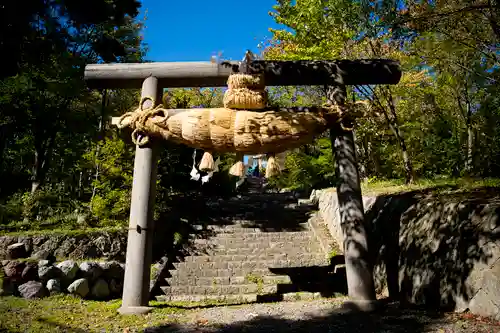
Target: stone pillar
<point x="135" y="298"/>
<point x="358" y="268"/>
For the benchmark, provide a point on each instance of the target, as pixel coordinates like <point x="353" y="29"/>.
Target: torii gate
<point x="153" y="77"/>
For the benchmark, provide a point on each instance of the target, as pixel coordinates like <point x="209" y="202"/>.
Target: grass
<point x="257" y="279"/>
<point x="379" y="187"/>
<point x="63" y="313"/>
<point x="66" y="232"/>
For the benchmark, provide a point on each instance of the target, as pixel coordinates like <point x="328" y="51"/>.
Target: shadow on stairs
<point x="254" y="248"/>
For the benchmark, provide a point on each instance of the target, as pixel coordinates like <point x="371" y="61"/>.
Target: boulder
<point x="43" y="263"/>
<point x="30" y="272"/>
<point x="79" y="287"/>
<point x="112" y="270"/>
<point x="68" y="269"/>
<point x="27" y="241"/>
<point x="32" y="289"/>
<point x="118" y="247"/>
<point x="115" y="287"/>
<point x="85" y="251"/>
<point x="16" y="251"/>
<point x="54" y="286"/>
<point x="100" y="289"/>
<point x="51" y="244"/>
<point x="103" y="244"/>
<point x="4" y="242"/>
<point x="47" y="272"/>
<point x="43" y="255"/>
<point x="65" y="248"/>
<point x="14" y="270"/>
<point x="90" y="270"/>
<point x="37" y="241"/>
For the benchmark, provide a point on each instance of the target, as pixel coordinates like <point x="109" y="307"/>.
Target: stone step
<point x="264" y="256"/>
<point x="300" y="296"/>
<point x="224" y="272"/>
<point x="227" y="280"/>
<point x="290" y="249"/>
<point x="231" y="228"/>
<point x="261" y="264"/>
<point x="239" y="299"/>
<point x="241" y="289"/>
<point x="266" y="235"/>
<point x="291" y="208"/>
<point x="255" y="205"/>
<point x="248" y="226"/>
<point x="257" y="243"/>
<point x="224" y="299"/>
<point x="220" y="272"/>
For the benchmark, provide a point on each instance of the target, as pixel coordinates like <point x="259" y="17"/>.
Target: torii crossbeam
<point x="153" y="77"/>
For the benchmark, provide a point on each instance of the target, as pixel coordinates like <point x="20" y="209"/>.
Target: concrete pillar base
<point x="362" y="305"/>
<point x="135" y="310"/>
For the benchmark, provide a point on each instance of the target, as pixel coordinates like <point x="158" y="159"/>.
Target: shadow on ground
<point x="390" y="319"/>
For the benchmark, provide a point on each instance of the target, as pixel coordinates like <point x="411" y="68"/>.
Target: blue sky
<point x="197" y="29"/>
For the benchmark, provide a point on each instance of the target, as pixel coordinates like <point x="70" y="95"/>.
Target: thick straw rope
<point x="246" y="92"/>
<point x="250" y="81"/>
<point x="230" y="129"/>
<point x="245" y="99"/>
<point x="138" y="119"/>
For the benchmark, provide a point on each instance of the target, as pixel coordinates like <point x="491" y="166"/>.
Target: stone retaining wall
<point x="31" y="279"/>
<point x="102" y="244"/>
<point x="434" y="249"/>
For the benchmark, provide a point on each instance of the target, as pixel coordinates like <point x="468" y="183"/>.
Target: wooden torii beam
<point x="277" y="73"/>
<point x="153" y="77"/>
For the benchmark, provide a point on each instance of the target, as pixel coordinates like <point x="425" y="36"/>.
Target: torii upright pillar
<point x="359" y="270"/>
<point x="135" y="297"/>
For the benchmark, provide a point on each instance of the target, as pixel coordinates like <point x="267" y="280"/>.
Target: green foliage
<point x="333" y="253"/>
<point x="308" y="167"/>
<point x="63" y="166"/>
<point x="441" y="114"/>
<point x="65" y="313"/>
<point x="437" y="184"/>
<point x="112" y="160"/>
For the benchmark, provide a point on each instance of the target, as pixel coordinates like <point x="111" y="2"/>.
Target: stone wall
<point x="329" y="210"/>
<point x="433" y="249"/>
<point x="35" y="279"/>
<point x="102" y="244"/>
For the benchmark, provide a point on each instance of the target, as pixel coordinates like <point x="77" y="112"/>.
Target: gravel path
<point x="322" y="316"/>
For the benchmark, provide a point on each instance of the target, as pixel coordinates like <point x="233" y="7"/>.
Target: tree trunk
<point x="394" y="126"/>
<point x="360" y="156"/>
<point x="3" y="139"/>
<point x="100" y="137"/>
<point x="409" y="176"/>
<point x="41" y="162"/>
<point x="407" y="164"/>
<point x="373" y="157"/>
<point x="469" y="162"/>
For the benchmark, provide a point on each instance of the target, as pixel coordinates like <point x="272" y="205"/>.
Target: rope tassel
<point x="238" y="168"/>
<point x="273" y="167"/>
<point x="207" y="163"/>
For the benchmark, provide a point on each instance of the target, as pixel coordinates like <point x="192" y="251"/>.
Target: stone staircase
<point x="266" y="250"/>
<point x="255" y="184"/>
